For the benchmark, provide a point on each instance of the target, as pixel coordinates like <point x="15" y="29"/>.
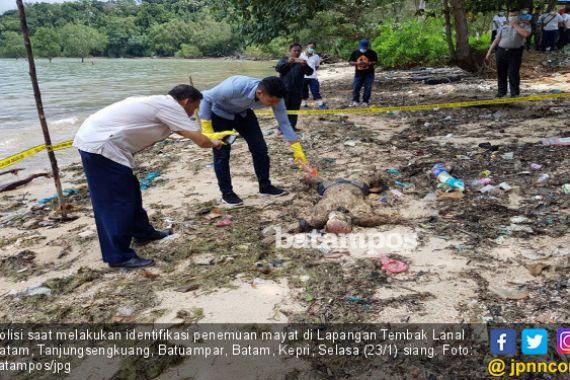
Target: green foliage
<point x="12" y="45"/>
<point x="81" y="41"/>
<point x="46" y="43"/>
<point x="411" y="43"/>
<point x="481" y="44"/>
<point x="189" y="51"/>
<point x="166" y="39"/>
<point x="119" y="30"/>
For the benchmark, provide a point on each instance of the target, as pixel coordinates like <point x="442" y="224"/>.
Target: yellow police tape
<point x="345" y="111"/>
<point x="5" y="162"/>
<point x="424" y="107"/>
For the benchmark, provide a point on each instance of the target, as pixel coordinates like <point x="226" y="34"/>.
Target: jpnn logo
<point x="534" y="342"/>
<point x="503" y="342"/>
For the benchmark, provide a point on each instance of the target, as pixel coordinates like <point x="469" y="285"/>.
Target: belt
<point x="509" y="49"/>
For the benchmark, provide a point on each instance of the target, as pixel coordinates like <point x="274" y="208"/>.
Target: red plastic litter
<point x="392" y="265"/>
<point x="224" y="222"/>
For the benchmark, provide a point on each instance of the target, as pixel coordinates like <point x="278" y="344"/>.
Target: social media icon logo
<point x="534" y="342"/>
<point x="503" y="342"/>
<point x="563" y="341"/>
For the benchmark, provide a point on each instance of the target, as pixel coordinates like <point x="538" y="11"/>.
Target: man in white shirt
<point x="550" y="22"/>
<point x="499" y="20"/>
<point x="107" y="141"/>
<point x="311" y="81"/>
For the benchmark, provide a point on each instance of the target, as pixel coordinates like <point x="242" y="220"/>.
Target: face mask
<point x="524" y="12"/>
<point x="363" y="50"/>
<point x="501" y="14"/>
<point x="513" y="18"/>
<point x="311" y="50"/>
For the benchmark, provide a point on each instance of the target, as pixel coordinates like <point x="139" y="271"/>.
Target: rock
<point x="350" y="143"/>
<point x="30" y="224"/>
<point x="519" y="219"/>
<point x="536" y="268"/>
<point x="203" y="259"/>
<point x="510" y="294"/>
<point x="86" y="234"/>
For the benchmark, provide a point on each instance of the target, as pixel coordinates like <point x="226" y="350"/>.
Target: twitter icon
<point x="534" y="342"/>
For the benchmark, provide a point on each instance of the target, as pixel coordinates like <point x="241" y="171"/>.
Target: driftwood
<point x="21" y="182"/>
<point x="11" y="171"/>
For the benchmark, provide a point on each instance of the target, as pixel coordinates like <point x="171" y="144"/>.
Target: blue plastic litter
<point x="66" y="193"/>
<point x="147" y="181"/>
<point x="393" y="171"/>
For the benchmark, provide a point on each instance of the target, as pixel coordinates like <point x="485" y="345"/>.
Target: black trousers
<point x="293" y="102"/>
<point x="508" y="68"/>
<point x="248" y="128"/>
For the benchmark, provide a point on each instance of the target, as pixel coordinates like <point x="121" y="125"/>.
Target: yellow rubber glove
<point x="298" y="154"/>
<point x="208" y="131"/>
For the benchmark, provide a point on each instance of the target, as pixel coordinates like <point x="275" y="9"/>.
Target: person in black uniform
<point x="292" y="71"/>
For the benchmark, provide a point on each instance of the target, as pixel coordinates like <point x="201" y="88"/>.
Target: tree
<point x="464" y="56"/>
<point x="12" y="45"/>
<point x="166" y="39"/>
<point x="80" y="41"/>
<point x="46" y="43"/>
<point x="119" y="30"/>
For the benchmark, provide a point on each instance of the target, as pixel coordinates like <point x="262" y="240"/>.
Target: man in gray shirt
<point x="509" y="45"/>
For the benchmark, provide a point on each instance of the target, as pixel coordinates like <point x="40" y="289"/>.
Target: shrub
<point x="411" y="43"/>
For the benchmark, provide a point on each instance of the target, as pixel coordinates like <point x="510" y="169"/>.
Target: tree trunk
<point x="50" y="59"/>
<point x="448" y="33"/>
<point x="40" y="107"/>
<point x="464" y="57"/>
<point x="82" y="59"/>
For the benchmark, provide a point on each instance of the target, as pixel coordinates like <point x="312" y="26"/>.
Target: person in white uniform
<point x="107" y="141"/>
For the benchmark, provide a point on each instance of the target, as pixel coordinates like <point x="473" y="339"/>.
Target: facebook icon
<point x="503" y="342"/>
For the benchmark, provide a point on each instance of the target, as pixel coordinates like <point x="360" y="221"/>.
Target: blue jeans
<point x="248" y="128"/>
<point x="313" y="85"/>
<point x="117" y="204"/>
<point x="359" y="80"/>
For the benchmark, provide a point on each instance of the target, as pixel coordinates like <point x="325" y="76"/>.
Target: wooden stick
<point x="40" y="107"/>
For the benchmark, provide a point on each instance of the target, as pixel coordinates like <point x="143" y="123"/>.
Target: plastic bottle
<point x="444" y="177"/>
<point x="556" y="141"/>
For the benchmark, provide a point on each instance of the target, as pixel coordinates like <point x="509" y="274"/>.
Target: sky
<point x="11" y="4"/>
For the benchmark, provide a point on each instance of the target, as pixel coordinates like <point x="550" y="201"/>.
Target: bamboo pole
<point x="40" y="107"/>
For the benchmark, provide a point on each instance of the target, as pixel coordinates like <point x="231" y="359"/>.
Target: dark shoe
<point x="231" y="199"/>
<point x="499" y="95"/>
<point x="515" y="95"/>
<point x="134" y="263"/>
<point x="272" y="191"/>
<point x="156" y="235"/>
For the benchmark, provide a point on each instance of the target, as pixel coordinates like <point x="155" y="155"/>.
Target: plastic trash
<point x="393" y="171"/>
<point x="566" y="188"/>
<point x="556" y="141"/>
<point x="487" y="189"/>
<point x="147" y="181"/>
<point x="444" y="177"/>
<point x="393" y="266"/>
<point x="38" y="291"/>
<point x="534" y="166"/>
<point x="224" y="222"/>
<point x="505" y="186"/>
<point x="543" y="177"/>
<point x="66" y="193"/>
<point x="508" y="156"/>
<point x="403" y="185"/>
<point x="485" y="173"/>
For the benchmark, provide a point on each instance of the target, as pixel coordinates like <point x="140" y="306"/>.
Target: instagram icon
<point x="563" y="341"/>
